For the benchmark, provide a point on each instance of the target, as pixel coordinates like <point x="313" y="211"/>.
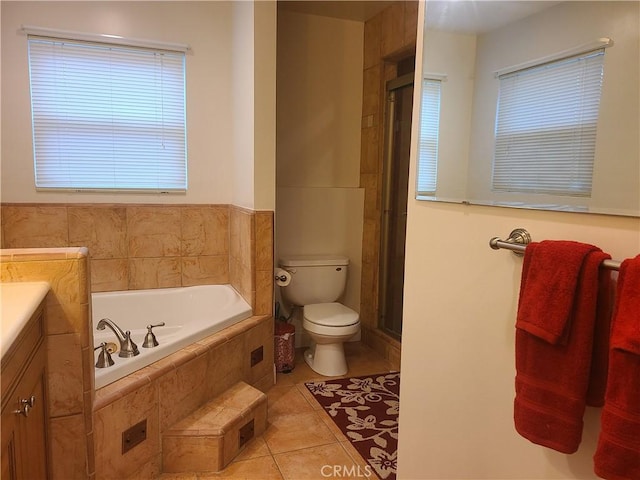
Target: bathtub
<point x="190" y="314"/>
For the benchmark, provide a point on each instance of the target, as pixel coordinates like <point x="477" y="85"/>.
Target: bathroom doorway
<point x="399" y="98"/>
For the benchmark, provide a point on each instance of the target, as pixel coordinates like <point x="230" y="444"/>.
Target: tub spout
<point x="127" y="347"/>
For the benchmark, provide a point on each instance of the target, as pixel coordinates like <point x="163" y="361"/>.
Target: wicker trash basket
<point x="284" y="346"/>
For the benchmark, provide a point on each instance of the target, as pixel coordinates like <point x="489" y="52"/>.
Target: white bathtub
<point x="190" y="314"/>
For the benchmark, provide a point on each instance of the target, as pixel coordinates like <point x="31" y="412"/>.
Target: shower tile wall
<point x="388" y="37"/>
<point x="155" y="246"/>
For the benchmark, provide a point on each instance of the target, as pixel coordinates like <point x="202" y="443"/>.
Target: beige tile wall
<point x="136" y="247"/>
<point x="251" y="257"/>
<point x="388" y="37"/>
<point x="69" y="348"/>
<point x="131" y="246"/>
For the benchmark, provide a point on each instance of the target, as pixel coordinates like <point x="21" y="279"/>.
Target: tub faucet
<point x="127" y="347"/>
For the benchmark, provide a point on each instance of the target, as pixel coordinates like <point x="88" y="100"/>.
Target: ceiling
<point x="346" y="9"/>
<point x="480" y="16"/>
<point x="463" y="16"/>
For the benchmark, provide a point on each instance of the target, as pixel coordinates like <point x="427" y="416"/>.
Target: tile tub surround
<point x="135" y="246"/>
<point x="388" y="37"/>
<point x="172" y="388"/>
<point x="287" y="452"/>
<point x="251" y="257"/>
<point x="69" y="350"/>
<point x="104" y="229"/>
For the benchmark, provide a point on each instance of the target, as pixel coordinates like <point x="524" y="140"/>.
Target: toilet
<point x="317" y="281"/>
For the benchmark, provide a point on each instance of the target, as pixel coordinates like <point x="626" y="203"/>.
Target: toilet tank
<point x="314" y="278"/>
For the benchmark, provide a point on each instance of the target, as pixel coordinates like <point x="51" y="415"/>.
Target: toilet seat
<point x="330" y="315"/>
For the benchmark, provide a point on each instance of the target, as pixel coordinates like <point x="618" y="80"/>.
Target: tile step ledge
<point x="209" y="438"/>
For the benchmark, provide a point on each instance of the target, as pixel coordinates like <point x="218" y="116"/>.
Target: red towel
<point x="554" y="340"/>
<point x="601" y="332"/>
<point x="618" y="454"/>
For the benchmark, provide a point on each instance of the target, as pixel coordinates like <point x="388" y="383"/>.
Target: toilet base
<point x="327" y="359"/>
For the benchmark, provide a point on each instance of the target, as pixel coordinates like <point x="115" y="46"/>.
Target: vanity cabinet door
<point x="24" y="417"/>
<point x="8" y="453"/>
<point x="24" y="439"/>
<point x="33" y="428"/>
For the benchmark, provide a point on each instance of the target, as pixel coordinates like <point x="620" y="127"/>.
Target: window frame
<point x="529" y="156"/>
<point x="141" y="131"/>
<point x="429" y="135"/>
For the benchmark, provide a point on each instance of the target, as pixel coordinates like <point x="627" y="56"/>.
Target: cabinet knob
<point x="26" y="404"/>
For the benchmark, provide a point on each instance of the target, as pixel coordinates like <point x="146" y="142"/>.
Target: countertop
<point x="18" y="302"/>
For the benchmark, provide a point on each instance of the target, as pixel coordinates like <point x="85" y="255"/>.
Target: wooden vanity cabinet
<point x="24" y="404"/>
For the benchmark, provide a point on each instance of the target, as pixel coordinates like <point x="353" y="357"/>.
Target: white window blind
<point x="546" y="127"/>
<point x="107" y="117"/>
<point x="429" y="132"/>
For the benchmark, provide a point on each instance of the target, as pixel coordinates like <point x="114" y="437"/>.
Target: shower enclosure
<point x="399" y="95"/>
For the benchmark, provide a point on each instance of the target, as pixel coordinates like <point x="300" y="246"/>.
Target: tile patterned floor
<point x="301" y="442"/>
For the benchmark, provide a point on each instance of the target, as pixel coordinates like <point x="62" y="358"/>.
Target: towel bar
<point x="518" y="240"/>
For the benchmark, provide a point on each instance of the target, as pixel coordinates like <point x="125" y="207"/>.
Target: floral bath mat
<point x="366" y="411"/>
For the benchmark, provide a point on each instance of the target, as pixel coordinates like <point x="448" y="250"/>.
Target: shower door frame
<point x="387" y="201"/>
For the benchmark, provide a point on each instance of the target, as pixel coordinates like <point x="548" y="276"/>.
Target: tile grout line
<point x="271" y="454"/>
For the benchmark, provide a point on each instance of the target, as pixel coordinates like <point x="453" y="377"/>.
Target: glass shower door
<point x="394" y="203"/>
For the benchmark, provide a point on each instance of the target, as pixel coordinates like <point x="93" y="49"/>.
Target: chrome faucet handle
<point x="128" y="349"/>
<point x="150" y="338"/>
<point x="104" y="358"/>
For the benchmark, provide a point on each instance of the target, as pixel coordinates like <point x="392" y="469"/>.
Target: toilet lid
<point x="330" y="314"/>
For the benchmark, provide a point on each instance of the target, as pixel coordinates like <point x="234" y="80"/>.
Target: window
<point x="546" y="127"/>
<point x="107" y="117"/>
<point x="429" y="132"/>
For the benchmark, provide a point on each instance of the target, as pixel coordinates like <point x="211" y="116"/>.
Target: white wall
<point x="265" y="27"/>
<point x="218" y="94"/>
<point x="254" y="79"/>
<point x="324" y="220"/>
<point x="319" y="108"/>
<point x="456" y="416"/>
<point x="243" y="120"/>
<point x="319" y="100"/>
